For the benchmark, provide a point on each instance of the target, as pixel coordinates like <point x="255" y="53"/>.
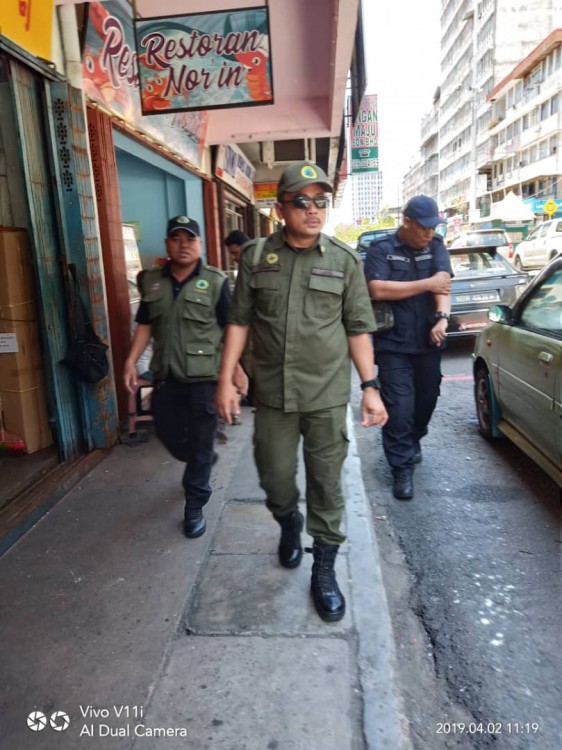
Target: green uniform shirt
<point x="302" y="305"/>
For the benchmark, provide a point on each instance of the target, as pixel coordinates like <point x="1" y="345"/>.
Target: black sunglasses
<point x="303" y="201"/>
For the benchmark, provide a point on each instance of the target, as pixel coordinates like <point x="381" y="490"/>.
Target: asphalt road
<point x="471" y="569"/>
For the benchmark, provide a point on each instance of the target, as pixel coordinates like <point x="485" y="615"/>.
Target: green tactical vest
<point x="187" y="339"/>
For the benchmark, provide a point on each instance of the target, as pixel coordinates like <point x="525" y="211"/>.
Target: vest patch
<point x="272" y="258"/>
<point x="202" y="285"/>
<point x="398" y="257"/>
<point x="426" y="256"/>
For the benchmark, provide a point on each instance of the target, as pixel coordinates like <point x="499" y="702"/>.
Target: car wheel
<point x="484" y="397"/>
<point x="517" y="263"/>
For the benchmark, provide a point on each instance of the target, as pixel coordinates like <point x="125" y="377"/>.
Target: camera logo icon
<point x="59" y="721"/>
<point x="36" y="721"/>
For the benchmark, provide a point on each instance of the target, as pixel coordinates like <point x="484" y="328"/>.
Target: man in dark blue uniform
<point x="411" y="270"/>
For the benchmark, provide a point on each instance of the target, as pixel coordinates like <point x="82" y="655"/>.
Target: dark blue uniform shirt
<point x="390" y="259"/>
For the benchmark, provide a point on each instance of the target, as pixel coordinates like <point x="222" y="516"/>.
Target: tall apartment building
<point x="525" y="152"/>
<point x="366" y="195"/>
<point x="482" y="41"/>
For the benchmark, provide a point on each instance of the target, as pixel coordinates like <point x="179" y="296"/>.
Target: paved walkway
<point x="149" y="640"/>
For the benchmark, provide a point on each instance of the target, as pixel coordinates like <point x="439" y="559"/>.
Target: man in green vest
<point x="306" y="303"/>
<point x="184" y="310"/>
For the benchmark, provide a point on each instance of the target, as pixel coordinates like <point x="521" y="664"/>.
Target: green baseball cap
<point x="299" y="175"/>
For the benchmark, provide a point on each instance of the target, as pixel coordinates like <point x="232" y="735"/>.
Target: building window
<point x="554" y="105"/>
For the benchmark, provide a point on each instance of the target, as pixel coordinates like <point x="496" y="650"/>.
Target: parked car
<point x="518" y="371"/>
<point x="365" y="239"/>
<point x="497" y="238"/>
<point x="482" y="278"/>
<point x="543" y="244"/>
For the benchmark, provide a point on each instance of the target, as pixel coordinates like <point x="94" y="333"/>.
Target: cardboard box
<point x="17" y="279"/>
<point x="25" y="415"/>
<point x="22" y="369"/>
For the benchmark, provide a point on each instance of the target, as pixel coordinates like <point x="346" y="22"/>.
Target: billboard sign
<point x="111" y="78"/>
<point x="207" y="60"/>
<point x="29" y="25"/>
<point x="364" y="137"/>
<point x="234" y="168"/>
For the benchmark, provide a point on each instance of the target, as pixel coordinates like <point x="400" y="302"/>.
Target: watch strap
<point x="374" y="383"/>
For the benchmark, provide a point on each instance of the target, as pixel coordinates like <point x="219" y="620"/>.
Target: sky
<point x="402" y="39"/>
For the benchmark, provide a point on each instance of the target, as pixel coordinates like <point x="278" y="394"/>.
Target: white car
<point x="497" y="238"/>
<point x="542" y="245"/>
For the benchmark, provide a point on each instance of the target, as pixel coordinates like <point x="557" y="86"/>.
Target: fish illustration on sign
<point x="257" y="78"/>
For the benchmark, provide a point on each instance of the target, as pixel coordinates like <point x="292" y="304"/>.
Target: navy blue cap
<point x="424" y="210"/>
<point x="183" y="222"/>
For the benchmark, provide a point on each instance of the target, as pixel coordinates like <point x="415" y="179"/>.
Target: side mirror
<point x="500" y="314"/>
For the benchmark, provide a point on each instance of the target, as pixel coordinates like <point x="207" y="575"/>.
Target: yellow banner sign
<point x="28" y="23"/>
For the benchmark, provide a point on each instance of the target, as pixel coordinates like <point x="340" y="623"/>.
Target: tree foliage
<point x="349" y="233"/>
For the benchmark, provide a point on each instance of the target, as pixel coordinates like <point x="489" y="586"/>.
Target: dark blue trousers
<point x="185" y="420"/>
<point x="409" y="389"/>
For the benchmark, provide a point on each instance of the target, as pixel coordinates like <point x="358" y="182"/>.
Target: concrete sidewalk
<point x="149" y="640"/>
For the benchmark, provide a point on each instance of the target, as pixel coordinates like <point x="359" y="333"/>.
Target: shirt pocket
<point x="202" y="361"/>
<point x="266" y="286"/>
<point x="324" y="296"/>
<point x="400" y="270"/>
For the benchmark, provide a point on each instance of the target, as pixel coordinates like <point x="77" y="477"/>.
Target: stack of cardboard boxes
<point x="22" y="387"/>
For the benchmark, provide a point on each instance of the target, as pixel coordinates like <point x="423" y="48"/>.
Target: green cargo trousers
<point x="276" y="439"/>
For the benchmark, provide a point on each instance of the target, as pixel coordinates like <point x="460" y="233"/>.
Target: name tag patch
<point x="398" y="257"/>
<point x="327" y="272"/>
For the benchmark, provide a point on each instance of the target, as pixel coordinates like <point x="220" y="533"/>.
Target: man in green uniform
<point x="305" y="299"/>
<point x="184" y="310"/>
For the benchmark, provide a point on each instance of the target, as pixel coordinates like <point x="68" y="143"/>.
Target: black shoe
<point x="403" y="485"/>
<point x="328" y="599"/>
<point x="418" y="454"/>
<point x="290" y="548"/>
<point x="194" y="523"/>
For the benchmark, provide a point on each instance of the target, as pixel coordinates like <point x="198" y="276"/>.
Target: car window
<point x="534" y="233"/>
<point x="543" y="231"/>
<point x="543" y="309"/>
<point x="558" y="227"/>
<point x="470" y="264"/>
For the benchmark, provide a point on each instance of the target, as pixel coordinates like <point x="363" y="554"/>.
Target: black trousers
<point x="185" y="420"/>
<point x="410" y="388"/>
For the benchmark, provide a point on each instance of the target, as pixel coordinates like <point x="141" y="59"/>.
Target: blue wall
<point x="152" y="189"/>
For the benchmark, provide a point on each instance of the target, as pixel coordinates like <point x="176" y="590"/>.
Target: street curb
<point x="384" y="722"/>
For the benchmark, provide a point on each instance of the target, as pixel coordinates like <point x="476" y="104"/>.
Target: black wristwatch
<point x="441" y="315"/>
<point x="374" y="383"/>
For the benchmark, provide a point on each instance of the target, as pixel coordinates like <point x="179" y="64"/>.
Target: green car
<point x="518" y="371"/>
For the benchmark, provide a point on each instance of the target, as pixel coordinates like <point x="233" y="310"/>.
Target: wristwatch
<point x="374" y="383"/>
<point x="439" y="315"/>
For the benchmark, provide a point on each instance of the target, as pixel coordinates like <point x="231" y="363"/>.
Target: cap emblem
<point x="309" y="172"/>
<point x="182" y="220"/>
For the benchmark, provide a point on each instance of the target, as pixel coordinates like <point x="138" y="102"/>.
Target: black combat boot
<point x="328" y="599"/>
<point x="194" y="523"/>
<point x="290" y="548"/>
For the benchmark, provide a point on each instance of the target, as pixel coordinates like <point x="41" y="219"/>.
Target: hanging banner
<point x="29" y="25"/>
<point x="204" y="60"/>
<point x="234" y="168"/>
<point x="111" y="78"/>
<point x="364" y="138"/>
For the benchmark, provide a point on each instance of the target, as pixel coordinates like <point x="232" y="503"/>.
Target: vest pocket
<point x="202" y="361"/>
<point x="266" y="286"/>
<point x="197" y="308"/>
